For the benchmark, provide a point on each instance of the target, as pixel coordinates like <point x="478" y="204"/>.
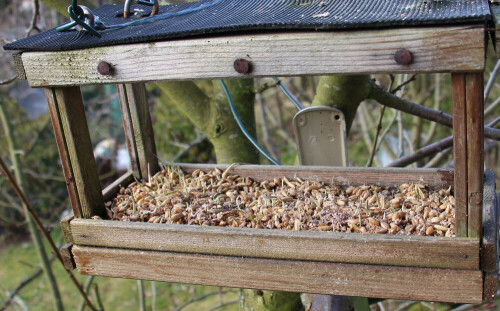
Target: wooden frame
<point x="419" y="268"/>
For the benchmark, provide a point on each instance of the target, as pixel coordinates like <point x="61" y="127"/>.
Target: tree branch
<point x="190" y="100"/>
<point x="387" y="99"/>
<point x="428" y="150"/>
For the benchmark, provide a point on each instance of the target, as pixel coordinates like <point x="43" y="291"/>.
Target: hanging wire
<point x="288" y="94"/>
<point x="165" y="15"/>
<point x="78" y="17"/>
<point x="242" y="126"/>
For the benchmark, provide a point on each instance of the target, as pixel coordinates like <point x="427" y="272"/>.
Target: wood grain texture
<point x="142" y="129"/>
<point x="62" y="148"/>
<point x="342" y="176"/>
<point x="464" y="286"/>
<point x="475" y="151"/>
<point x="411" y="251"/>
<point x="79" y="147"/>
<point x="443" y="49"/>
<point x="110" y="191"/>
<point x="489" y="247"/>
<point x="67" y="256"/>
<point x="460" y="152"/>
<point x="65" y="228"/>
<point x="128" y="128"/>
<point x="490" y="286"/>
<point x="18" y="66"/>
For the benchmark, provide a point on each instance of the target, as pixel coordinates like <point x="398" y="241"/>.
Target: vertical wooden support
<point x="138" y="129"/>
<point x="63" y="151"/>
<point x="460" y="151"/>
<point x="475" y="151"/>
<point x="75" y="150"/>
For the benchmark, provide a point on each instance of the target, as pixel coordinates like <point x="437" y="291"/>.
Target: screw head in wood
<point x="403" y="57"/>
<point x="104" y="68"/>
<point x="242" y="66"/>
<point x="476" y="198"/>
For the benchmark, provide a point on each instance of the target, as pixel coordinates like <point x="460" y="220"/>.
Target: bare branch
<point x="8" y="81"/>
<point x="36" y="12"/>
<point x="431" y="149"/>
<point x="491" y="80"/>
<point x="38" y="222"/>
<point x="390" y="100"/>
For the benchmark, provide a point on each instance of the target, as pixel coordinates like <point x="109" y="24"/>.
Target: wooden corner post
<point x="138" y="129"/>
<point x="75" y="150"/>
<point x="468" y="138"/>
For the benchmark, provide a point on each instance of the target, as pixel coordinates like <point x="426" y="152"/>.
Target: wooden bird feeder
<point x="462" y="269"/>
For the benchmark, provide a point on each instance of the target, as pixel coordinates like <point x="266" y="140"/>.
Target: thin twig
<point x="390" y="100"/>
<point x="36" y="12"/>
<point x="265" y="128"/>
<point x="142" y="297"/>
<point x="38" y="222"/>
<point x="428" y="150"/>
<point x="403" y="84"/>
<point x="98" y="297"/>
<point x="153" y="290"/>
<point x="379" y="128"/>
<point x="8" y="81"/>
<point x="196" y="299"/>
<point x="19" y="287"/>
<point x="227" y="303"/>
<point x="491" y="80"/>
<point x="87" y="285"/>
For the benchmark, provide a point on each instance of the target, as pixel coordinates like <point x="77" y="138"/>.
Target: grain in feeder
<point x="407" y="36"/>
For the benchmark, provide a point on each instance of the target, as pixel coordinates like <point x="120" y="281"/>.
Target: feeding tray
<point x="202" y="40"/>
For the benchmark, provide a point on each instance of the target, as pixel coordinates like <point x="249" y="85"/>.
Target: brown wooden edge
<point x="342" y="176"/>
<point x="62" y="148"/>
<point x="475" y="151"/>
<point x="490" y="286"/>
<point x="66" y="228"/>
<point x="339" y="247"/>
<point x="79" y="148"/>
<point x="110" y="191"/>
<point x="459" y="286"/>
<point x="489" y="249"/>
<point x="67" y="256"/>
<point x="460" y="152"/>
<point x="128" y="128"/>
<point x="18" y="66"/>
<point x="138" y="129"/>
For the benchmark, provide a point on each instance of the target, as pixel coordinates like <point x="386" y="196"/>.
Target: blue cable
<point x="242" y="127"/>
<point x="288" y="94"/>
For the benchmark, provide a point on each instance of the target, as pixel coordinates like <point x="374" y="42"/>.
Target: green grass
<point x="19" y="261"/>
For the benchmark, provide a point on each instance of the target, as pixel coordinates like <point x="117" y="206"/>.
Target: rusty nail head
<point x="476" y="198"/>
<point x="403" y="57"/>
<point x="242" y="66"/>
<point x="104" y="68"/>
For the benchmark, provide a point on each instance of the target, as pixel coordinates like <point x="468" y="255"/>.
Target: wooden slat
<point x="142" y="128"/>
<point x="490" y="286"/>
<point x="128" y="128"/>
<point x="79" y="147"/>
<point x="443" y="49"/>
<point x="62" y="148"/>
<point x="342" y="176"/>
<point x="18" y="66"/>
<point x="67" y="256"/>
<point x="412" y="251"/>
<point x="65" y="228"/>
<point x="475" y="151"/>
<point x="489" y="247"/>
<point x="110" y="191"/>
<point x="460" y="152"/>
<point x="462" y="286"/>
